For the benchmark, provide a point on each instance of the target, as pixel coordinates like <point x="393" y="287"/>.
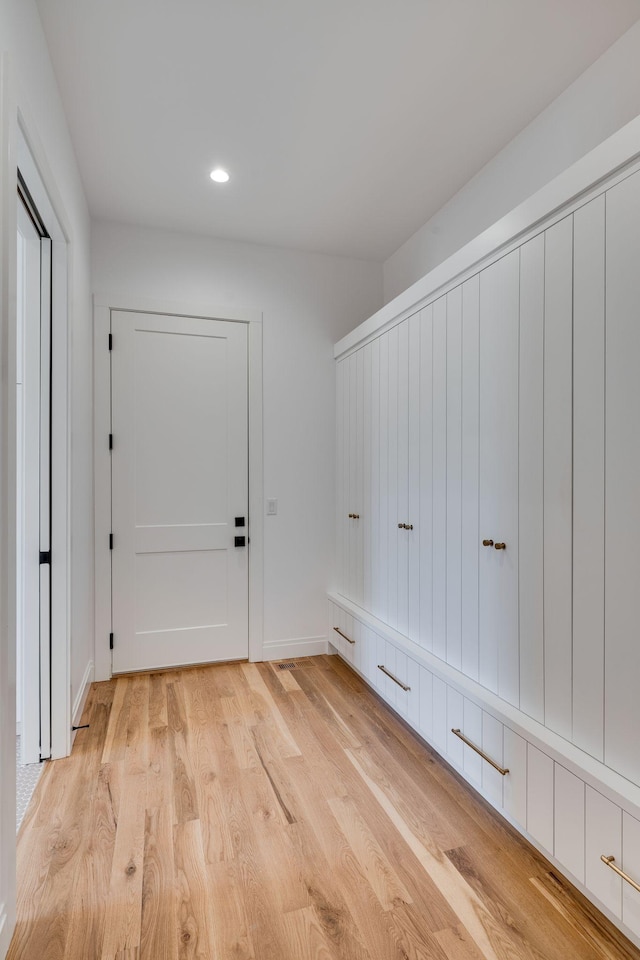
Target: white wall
<point x="35" y="89"/>
<point x="598" y="103"/>
<point x="308" y="301"/>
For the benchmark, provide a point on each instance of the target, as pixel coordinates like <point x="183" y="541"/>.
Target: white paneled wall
<point x="489" y="444"/>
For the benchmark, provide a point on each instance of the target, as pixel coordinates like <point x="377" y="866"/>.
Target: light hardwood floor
<point x="242" y="811"/>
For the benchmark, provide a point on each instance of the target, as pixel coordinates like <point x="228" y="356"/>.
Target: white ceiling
<point x="345" y="124"/>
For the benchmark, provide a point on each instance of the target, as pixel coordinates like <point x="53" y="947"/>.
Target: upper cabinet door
<point x="350" y="493"/>
<point x="622" y="477"/>
<point x="498" y="477"/>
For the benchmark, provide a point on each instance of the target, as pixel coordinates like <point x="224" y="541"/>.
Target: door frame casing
<point x="32" y="164"/>
<point x="103" y="305"/>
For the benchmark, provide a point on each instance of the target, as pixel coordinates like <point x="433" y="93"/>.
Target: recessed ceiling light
<point x="219" y="175"/>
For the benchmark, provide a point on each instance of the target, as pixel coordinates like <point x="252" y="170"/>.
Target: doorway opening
<point x="33" y="491"/>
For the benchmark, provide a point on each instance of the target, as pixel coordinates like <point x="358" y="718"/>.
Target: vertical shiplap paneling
<point x="359" y="498"/>
<point x="426" y="478"/>
<point x="588" y="477"/>
<point x="439" y="535"/>
<point x="558" y="399"/>
<point x="455" y="721"/>
<point x="440" y="730"/>
<point x="499" y="668"/>
<point x="376" y="549"/>
<point x="353" y="474"/>
<point x="402" y="621"/>
<point x="383" y="503"/>
<point x="493" y="746"/>
<point x="531" y="480"/>
<point x="366" y="514"/>
<point x="472" y="729"/>
<point x="341" y="488"/>
<point x="622" y="480"/>
<point x="454" y="477"/>
<point x="470" y="454"/>
<point x="413" y="622"/>
<point x="392" y="488"/>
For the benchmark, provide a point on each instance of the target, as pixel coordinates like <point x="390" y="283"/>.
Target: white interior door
<point x="179" y="491"/>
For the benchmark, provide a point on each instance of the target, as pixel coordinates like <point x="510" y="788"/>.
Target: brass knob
<point x="356" y="516"/>
<point x="351" y="516"/>
<point x="408" y="526"/>
<point x="487" y="543"/>
<point x="401" y="526"/>
<point x="500" y="546"/>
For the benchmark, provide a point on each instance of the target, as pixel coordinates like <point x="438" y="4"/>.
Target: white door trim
<point x="102" y="307"/>
<point x="33" y="165"/>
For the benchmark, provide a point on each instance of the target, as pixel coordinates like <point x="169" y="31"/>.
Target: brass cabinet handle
<point x="487" y="543"/>
<point x="405" y="526"/>
<point x="500" y="546"/>
<point x="503" y="771"/>
<point x="391" y="677"/>
<point x="343" y="635"/>
<point x="354" y="516"/>
<point x="611" y="862"/>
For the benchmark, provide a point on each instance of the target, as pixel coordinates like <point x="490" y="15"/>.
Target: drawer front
<point x="631" y="866"/>
<point x="492" y="745"/>
<point x="603" y="837"/>
<point x="540" y="797"/>
<point x="569" y="813"/>
<point x="515" y="783"/>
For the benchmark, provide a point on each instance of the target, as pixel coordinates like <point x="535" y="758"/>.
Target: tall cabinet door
<point x="498" y="493"/>
<point x="622" y="477"/>
<point x="350" y="494"/>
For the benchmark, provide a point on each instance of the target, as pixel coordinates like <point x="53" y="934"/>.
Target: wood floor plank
<point x="241" y="812"/>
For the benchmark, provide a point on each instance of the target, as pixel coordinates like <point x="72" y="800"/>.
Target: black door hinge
<point x="45" y="556"/>
<point x="110" y="342"/>
<point x="110" y="541"/>
<point x="110" y="441"/>
<point x="110" y="641"/>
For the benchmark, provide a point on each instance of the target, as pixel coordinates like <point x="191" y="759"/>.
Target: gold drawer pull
<point x="487" y="543"/>
<point x="343" y="635"/>
<point x="391" y="677"/>
<point x="611" y="862"/>
<point x="503" y="771"/>
<point x="500" y="546"/>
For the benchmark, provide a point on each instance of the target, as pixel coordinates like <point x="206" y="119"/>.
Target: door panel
<point x="558" y="456"/>
<point x="179" y="466"/>
<point x="499" y="318"/>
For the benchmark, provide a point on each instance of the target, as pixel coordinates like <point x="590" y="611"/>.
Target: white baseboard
<point x="301" y="647"/>
<point x="5" y="932"/>
<point x="81" y="697"/>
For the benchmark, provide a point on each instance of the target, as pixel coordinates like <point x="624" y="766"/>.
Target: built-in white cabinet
<point x="488" y="457"/>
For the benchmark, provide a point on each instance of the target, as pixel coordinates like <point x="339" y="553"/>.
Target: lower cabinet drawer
<point x="603" y="838"/>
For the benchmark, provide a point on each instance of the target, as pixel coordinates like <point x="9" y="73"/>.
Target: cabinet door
<point x="622" y="465"/>
<point x="425" y="638"/>
<point x="531" y="485"/>
<point x="356" y="462"/>
<point x="342" y="482"/>
<point x="439" y="480"/>
<point x="588" y="476"/>
<point x="498" y="492"/>
<point x="470" y="533"/>
<point x="558" y="401"/>
<point x="454" y="478"/>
